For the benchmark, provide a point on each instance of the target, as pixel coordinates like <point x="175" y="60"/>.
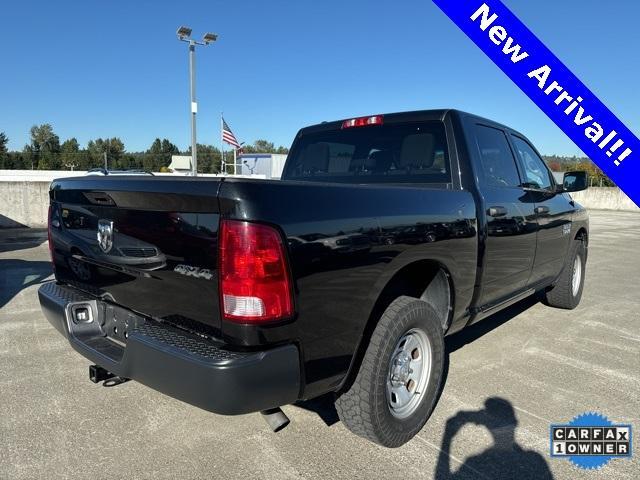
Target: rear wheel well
<point x="426" y="280"/>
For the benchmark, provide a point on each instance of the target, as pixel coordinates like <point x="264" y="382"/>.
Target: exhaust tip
<point x="275" y="418"/>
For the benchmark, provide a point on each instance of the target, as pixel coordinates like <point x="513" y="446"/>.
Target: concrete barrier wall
<point x="25" y="203"/>
<point x="605" y="198"/>
<point x="37" y="175"/>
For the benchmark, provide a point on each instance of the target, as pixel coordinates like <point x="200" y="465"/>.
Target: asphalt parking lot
<point x="518" y="371"/>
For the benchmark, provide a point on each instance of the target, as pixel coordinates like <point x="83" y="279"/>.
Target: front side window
<point x="535" y="171"/>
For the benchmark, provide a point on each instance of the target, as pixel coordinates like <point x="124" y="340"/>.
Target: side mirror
<point x="574" y="181"/>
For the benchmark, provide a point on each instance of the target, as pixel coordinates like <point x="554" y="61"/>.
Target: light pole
<point x="106" y="166"/>
<point x="184" y="35"/>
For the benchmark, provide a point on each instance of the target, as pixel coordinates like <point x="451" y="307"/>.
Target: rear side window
<point x="498" y="165"/>
<point x="410" y="152"/>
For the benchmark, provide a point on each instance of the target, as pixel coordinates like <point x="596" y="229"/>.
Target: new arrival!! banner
<point x="551" y="86"/>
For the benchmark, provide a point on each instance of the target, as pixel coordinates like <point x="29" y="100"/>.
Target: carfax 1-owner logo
<point x="591" y="440"/>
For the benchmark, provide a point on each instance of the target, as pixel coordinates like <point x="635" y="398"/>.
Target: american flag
<point x="228" y="136"/>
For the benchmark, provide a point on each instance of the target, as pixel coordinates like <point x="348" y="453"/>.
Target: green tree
<point x="559" y="163"/>
<point x="44" y="148"/>
<point x="44" y="151"/>
<point x="3" y="150"/>
<point x="44" y="139"/>
<point x="130" y="161"/>
<point x="168" y="147"/>
<point x="209" y="158"/>
<point x="554" y="165"/>
<point x="260" y="146"/>
<point x="159" y="155"/>
<point x="15" y="161"/>
<point x="153" y="158"/>
<point x="29" y="157"/>
<point x="264" y="146"/>
<point x="70" y="155"/>
<point x="114" y="150"/>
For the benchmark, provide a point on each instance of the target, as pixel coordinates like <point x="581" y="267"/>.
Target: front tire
<point x="399" y="379"/>
<point x="567" y="292"/>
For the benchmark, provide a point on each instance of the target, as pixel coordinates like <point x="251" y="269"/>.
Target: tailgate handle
<point x="99" y="198"/>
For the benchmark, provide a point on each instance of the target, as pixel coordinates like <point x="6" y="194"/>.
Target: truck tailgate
<point x="148" y="244"/>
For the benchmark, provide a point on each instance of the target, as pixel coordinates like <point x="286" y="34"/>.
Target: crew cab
<point x="385" y="234"/>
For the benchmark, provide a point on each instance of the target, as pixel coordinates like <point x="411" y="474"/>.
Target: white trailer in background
<point x="268" y="164"/>
<point x="181" y="164"/>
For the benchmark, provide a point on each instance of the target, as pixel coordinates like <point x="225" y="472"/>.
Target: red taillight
<point x="50" y="242"/>
<point x="255" y="286"/>
<point x="362" y="121"/>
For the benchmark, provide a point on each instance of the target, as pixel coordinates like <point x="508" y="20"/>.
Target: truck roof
<point x="410" y="116"/>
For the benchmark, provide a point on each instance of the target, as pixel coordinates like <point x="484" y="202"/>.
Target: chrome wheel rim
<point x="577" y="275"/>
<point x="409" y="372"/>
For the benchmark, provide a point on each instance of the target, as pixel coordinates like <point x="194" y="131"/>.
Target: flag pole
<point x="235" y="162"/>
<point x="223" y="168"/>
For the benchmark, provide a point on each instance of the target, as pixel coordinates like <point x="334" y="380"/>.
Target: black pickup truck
<point x="386" y="233"/>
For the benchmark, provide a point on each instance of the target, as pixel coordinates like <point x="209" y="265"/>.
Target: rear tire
<point x="399" y="379"/>
<point x="567" y="292"/>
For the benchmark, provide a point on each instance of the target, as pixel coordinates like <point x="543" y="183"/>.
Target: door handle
<point x="542" y="210"/>
<point x="496" y="211"/>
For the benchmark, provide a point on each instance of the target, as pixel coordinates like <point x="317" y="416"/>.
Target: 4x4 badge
<point x="105" y="235"/>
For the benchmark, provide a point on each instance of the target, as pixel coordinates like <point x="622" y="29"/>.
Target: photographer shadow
<point x="506" y="459"/>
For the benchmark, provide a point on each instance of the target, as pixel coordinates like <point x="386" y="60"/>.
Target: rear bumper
<point x="184" y="366"/>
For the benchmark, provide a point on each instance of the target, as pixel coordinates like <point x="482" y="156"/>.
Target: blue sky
<point x="96" y="69"/>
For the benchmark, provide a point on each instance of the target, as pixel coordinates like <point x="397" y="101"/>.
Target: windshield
<point x="410" y="152"/>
